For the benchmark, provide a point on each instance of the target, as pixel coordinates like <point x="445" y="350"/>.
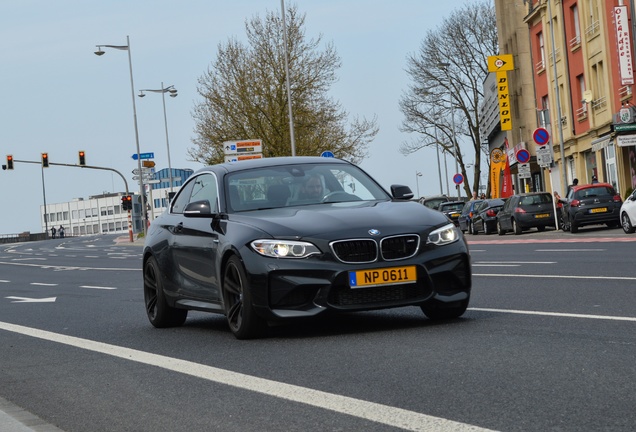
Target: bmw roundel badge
<point x="374" y="232"/>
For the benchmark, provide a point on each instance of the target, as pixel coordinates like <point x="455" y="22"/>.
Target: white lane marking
<point x="28" y="259"/>
<point x="629" y="278"/>
<point x="570" y="250"/>
<point x="43" y="284"/>
<point x="31" y="300"/>
<point x="383" y="414"/>
<point x="91" y="256"/>
<point x="496" y="265"/>
<point x="4" y="281"/>
<point x="98" y="287"/>
<point x="516" y="262"/>
<point x="54" y="267"/>
<point x="556" y="314"/>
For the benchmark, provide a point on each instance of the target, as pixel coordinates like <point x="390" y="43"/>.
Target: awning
<point x="600" y="143"/>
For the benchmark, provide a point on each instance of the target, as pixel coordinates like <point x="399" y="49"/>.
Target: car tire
<point x="437" y="310"/>
<point x="486" y="229"/>
<point x="500" y="230"/>
<point x="241" y="317"/>
<point x="160" y="314"/>
<point x="627" y="225"/>
<point x="516" y="227"/>
<point x="473" y="229"/>
<point x="574" y="228"/>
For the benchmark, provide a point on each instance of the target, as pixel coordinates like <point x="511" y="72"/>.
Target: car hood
<point x="343" y="220"/>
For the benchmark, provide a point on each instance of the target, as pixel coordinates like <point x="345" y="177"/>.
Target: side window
<point x="183" y="198"/>
<point x="204" y="189"/>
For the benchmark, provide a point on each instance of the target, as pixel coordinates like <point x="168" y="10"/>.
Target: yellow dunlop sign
<point x="497" y="162"/>
<point x="505" y="117"/>
<point x="500" y="63"/>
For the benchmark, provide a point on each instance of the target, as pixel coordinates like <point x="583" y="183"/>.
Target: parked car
<point x="485" y="217"/>
<point x="433" y="202"/>
<point x="524" y="211"/>
<point x="592" y="204"/>
<point x="452" y="209"/>
<point x="628" y="214"/>
<point x="238" y="239"/>
<point x="466" y="216"/>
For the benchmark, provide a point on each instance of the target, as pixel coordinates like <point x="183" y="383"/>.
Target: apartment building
<point x="573" y="75"/>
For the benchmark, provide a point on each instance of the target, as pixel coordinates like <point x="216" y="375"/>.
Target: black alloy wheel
<point x="240" y="314"/>
<point x="160" y="314"/>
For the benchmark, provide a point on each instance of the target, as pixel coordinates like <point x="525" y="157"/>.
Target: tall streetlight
<point x="289" y="100"/>
<point x="126" y="47"/>
<point x="173" y="93"/>
<point x="452" y="111"/>
<point x="417" y="182"/>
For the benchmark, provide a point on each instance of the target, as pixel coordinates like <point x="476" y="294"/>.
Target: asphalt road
<point x="547" y="344"/>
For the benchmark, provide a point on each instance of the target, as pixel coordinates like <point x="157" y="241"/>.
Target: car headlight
<point x="284" y="248"/>
<point x="442" y="236"/>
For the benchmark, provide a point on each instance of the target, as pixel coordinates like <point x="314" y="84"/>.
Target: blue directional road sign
<point x="144" y="156"/>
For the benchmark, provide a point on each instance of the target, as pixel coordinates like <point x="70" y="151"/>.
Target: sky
<point x="58" y="97"/>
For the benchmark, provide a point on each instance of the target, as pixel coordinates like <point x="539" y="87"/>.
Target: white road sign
<point x="244" y="146"/>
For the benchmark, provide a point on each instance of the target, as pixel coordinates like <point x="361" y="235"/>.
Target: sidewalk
<point x="15" y="419"/>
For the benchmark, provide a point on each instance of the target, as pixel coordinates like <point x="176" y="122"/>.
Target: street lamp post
<point x="126" y="47"/>
<point x="417" y="182"/>
<point x="452" y="112"/>
<point x="287" y="84"/>
<point x="173" y="93"/>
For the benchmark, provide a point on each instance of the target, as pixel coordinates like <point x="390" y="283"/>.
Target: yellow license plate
<point x="382" y="276"/>
<point x="455" y="215"/>
<point x="542" y="215"/>
<point x="599" y="210"/>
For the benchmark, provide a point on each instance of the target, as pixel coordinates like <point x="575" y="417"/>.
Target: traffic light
<point x="9" y="161"/>
<point x="126" y="202"/>
<point x="82" y="158"/>
<point x="45" y="160"/>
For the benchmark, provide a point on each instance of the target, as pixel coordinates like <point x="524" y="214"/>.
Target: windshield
<point x="451" y="207"/>
<point x="301" y="184"/>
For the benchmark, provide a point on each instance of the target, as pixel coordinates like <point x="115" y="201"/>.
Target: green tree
<point x="244" y="96"/>
<point x="442" y="104"/>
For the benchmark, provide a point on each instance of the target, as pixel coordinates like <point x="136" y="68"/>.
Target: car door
<point x="193" y="243"/>
<point x="504" y="217"/>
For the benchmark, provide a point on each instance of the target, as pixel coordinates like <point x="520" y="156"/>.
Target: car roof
<point x="272" y="161"/>
<point x="591" y="185"/>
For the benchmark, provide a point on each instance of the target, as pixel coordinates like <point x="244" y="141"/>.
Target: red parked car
<point x="591" y="204"/>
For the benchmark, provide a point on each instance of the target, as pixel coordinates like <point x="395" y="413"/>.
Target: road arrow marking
<point x="31" y="300"/>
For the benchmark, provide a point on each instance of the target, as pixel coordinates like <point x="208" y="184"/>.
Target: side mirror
<point x="401" y="192"/>
<point x="198" y="209"/>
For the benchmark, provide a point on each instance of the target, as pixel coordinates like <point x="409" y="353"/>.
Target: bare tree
<point x="446" y="91"/>
<point x="244" y="96"/>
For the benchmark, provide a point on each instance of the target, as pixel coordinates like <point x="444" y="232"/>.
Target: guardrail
<point x="22" y="237"/>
